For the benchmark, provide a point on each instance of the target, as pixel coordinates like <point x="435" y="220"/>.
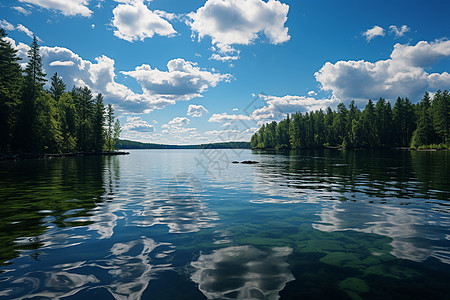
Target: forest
<point x="424" y="125"/>
<point x="35" y="120"/>
<point x="127" y="144"/>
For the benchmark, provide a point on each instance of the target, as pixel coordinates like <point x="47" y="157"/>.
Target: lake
<point x="190" y="224"/>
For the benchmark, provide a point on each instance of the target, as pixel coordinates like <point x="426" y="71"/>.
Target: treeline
<point x="35" y="120"/>
<point x="126" y="144"/>
<point x="421" y="125"/>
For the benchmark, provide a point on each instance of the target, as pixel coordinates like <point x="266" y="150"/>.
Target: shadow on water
<point x="38" y="194"/>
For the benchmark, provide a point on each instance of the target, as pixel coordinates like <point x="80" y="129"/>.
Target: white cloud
<point x="58" y="63"/>
<point x="260" y="273"/>
<point x="22" y="51"/>
<point x="277" y="108"/>
<point x="22" y="10"/>
<point x="25" y="30"/>
<point x="134" y="21"/>
<point x="399" y="32"/>
<point x="66" y="7"/>
<point x="176" y="126"/>
<point x="6" y="25"/>
<point x="137" y="124"/>
<point x="312" y="93"/>
<point x="222" y="132"/>
<point x="179" y="121"/>
<point x="196" y="110"/>
<point x="235" y="109"/>
<point x="239" y="22"/>
<point x="224" y="117"/>
<point x="402" y="75"/>
<point x="373" y="32"/>
<point x="183" y="80"/>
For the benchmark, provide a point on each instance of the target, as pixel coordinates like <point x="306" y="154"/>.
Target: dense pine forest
<point x="419" y="126"/>
<point x="35" y="120"/>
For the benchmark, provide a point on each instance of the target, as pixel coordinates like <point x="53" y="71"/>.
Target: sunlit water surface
<point x="189" y="224"/>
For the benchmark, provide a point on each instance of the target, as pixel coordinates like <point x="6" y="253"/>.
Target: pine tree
<point x="98" y="124"/>
<point x="58" y="87"/>
<point x="441" y="116"/>
<point x="84" y="104"/>
<point x="10" y="89"/>
<point x="29" y="128"/>
<point x="67" y="122"/>
<point x="109" y="127"/>
<point x="117" y="131"/>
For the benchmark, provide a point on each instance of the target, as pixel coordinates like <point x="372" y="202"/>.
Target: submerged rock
<point x="249" y="162"/>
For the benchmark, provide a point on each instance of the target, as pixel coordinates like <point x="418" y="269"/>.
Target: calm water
<point x="189" y="224"/>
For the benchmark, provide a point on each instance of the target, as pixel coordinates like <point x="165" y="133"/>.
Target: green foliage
<point x="58" y="87"/>
<point x="37" y="121"/>
<point x="378" y="125"/>
<point x="10" y="87"/>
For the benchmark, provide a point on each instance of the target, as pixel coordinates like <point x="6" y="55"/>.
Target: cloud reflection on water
<point x="413" y="231"/>
<point x="242" y="272"/>
<point x="125" y="273"/>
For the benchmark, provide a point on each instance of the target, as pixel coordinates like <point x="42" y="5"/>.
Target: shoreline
<point x="20" y="156"/>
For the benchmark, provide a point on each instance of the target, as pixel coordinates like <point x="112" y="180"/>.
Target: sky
<point x="199" y="71"/>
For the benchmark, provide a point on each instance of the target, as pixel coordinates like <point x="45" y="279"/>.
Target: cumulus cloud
<point x="66" y="7"/>
<point x="22" y="10"/>
<point x="179" y="121"/>
<point x="239" y="22"/>
<point x="399" y="31"/>
<point x="196" y="110"/>
<point x="276" y="108"/>
<point x="137" y="124"/>
<point x="373" y="32"/>
<point x="403" y="74"/>
<point x="183" y="80"/>
<point x="134" y="21"/>
<point x="312" y="93"/>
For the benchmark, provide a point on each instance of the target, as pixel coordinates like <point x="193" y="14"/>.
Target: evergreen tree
<point x="29" y="128"/>
<point x="110" y="127"/>
<point x="10" y="89"/>
<point x="340" y="124"/>
<point x="58" y="87"/>
<point x="441" y="116"/>
<point x="370" y="135"/>
<point x="84" y="104"/>
<point x="98" y="124"/>
<point x="117" y="131"/>
<point x="67" y="122"/>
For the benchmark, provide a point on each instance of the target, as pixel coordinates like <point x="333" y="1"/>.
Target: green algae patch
<point x="395" y="272"/>
<point x="342" y="259"/>
<point x="353" y="287"/>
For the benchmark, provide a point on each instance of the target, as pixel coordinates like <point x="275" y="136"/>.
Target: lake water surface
<point x="189" y="224"/>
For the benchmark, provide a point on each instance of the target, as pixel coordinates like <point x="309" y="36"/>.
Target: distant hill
<point x="127" y="144"/>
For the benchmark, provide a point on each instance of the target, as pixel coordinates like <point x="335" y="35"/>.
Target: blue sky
<point x="186" y="72"/>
